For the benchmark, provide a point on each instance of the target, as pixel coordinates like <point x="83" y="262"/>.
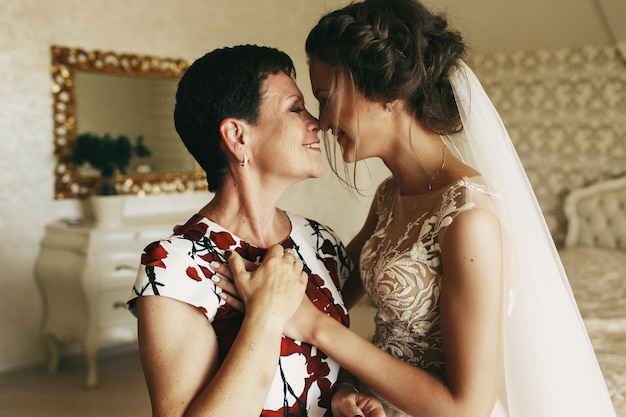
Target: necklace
<point x="443" y="164"/>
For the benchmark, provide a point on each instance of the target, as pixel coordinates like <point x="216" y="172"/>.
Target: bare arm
<point x="471" y="320"/>
<point x="179" y="349"/>
<point x="352" y="290"/>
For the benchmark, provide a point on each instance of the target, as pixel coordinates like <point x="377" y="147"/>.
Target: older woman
<point x="241" y="115"/>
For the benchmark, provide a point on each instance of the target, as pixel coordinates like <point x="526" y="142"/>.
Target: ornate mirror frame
<point x="65" y="63"/>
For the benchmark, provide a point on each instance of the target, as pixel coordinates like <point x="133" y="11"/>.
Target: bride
<point x="475" y="316"/>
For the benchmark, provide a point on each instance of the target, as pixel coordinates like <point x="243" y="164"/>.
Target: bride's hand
<point x="223" y="279"/>
<point x="347" y="403"/>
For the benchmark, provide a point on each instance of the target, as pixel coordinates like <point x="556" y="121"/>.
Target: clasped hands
<point x="276" y="289"/>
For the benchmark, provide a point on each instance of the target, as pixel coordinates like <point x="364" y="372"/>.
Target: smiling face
<point x="284" y="141"/>
<point x="354" y="120"/>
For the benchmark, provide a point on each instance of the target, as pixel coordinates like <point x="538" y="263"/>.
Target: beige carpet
<point x="36" y="393"/>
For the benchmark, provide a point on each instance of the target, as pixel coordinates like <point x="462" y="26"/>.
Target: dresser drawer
<point x="117" y="269"/>
<point x="113" y="309"/>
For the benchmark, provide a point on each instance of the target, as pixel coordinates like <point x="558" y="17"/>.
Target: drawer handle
<point x="125" y="267"/>
<point x="119" y="304"/>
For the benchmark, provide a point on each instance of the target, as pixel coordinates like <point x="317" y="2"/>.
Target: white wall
<point x="509" y="26"/>
<point x="181" y="29"/>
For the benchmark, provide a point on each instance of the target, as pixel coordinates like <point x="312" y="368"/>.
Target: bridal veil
<point x="550" y="366"/>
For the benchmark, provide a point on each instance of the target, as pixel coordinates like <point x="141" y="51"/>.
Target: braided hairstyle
<point x="394" y="49"/>
<point x="224" y="83"/>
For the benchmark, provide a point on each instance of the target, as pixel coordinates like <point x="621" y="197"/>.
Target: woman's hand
<point x="275" y="289"/>
<point x="348" y="403"/>
<point x="223" y="279"/>
<point x="299" y="326"/>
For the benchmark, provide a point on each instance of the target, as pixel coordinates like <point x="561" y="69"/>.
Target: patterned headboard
<point x="596" y="215"/>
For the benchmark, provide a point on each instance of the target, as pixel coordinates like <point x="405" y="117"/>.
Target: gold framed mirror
<point x="119" y="94"/>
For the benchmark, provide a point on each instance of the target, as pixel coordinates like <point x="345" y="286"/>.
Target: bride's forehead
<point x="321" y="73"/>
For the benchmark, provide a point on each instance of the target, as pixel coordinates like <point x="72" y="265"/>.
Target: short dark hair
<point x="224" y="83"/>
<point x="394" y="49"/>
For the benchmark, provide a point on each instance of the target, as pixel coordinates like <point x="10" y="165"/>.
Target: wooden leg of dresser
<point x="91" y="354"/>
<point x="92" y="372"/>
<point x="52" y="346"/>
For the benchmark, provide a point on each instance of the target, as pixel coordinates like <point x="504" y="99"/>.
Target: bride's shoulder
<point x="472" y="192"/>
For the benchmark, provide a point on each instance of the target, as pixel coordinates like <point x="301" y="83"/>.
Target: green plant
<point x="107" y="155"/>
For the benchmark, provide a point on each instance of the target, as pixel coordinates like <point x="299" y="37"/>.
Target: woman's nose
<point x="323" y="121"/>
<point x="314" y="124"/>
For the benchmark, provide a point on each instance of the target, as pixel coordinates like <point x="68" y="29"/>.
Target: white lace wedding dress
<point x="401" y="269"/>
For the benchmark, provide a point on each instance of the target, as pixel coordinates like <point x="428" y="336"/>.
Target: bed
<point x="594" y="257"/>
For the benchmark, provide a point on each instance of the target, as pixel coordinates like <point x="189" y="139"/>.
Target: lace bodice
<point x="401" y="267"/>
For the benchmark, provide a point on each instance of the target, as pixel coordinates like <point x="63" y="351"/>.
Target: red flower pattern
<point x="223" y="240"/>
<point x="193" y="273"/>
<point x="153" y="255"/>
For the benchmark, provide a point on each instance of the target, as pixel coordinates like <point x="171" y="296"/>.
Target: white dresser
<point x="86" y="275"/>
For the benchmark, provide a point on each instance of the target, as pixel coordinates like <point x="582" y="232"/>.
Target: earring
<point x="245" y="160"/>
<point x="388" y="105"/>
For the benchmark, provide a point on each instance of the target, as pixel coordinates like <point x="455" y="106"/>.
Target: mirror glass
<point x="120" y="94"/>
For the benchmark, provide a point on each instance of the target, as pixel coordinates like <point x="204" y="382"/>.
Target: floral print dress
<point x="401" y="269"/>
<point x="179" y="267"/>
